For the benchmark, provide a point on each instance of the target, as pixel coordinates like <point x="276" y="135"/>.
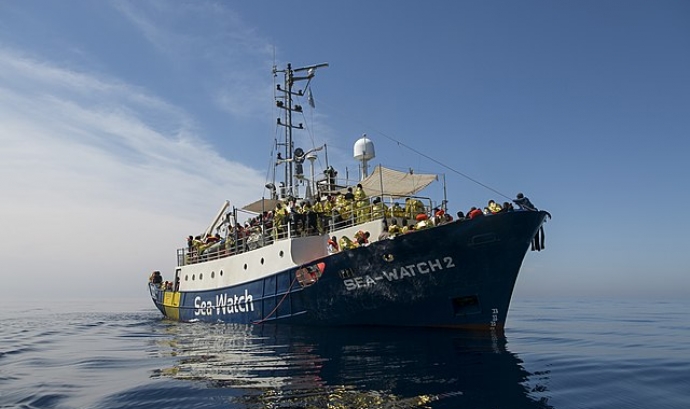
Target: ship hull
<point x="459" y="274"/>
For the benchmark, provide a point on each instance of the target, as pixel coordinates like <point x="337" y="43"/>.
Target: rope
<point x="261" y="321"/>
<point x="443" y="165"/>
<point x="425" y="155"/>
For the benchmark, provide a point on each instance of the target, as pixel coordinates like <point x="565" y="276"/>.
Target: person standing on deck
<point x="524" y="203"/>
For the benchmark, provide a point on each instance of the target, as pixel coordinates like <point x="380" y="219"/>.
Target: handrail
<point x="326" y="224"/>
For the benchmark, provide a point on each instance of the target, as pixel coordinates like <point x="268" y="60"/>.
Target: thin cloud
<point x="93" y="166"/>
<point x="223" y="45"/>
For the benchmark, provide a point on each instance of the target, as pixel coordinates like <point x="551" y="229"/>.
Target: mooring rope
<point x="261" y="321"/>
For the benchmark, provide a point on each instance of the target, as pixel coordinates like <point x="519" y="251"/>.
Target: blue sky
<point x="125" y="124"/>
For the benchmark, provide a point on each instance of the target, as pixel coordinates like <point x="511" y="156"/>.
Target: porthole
<point x="262" y="260"/>
<point x="221" y="273"/>
<point x="201" y="276"/>
<point x="388" y="257"/>
<point x="245" y="266"/>
<point x="193" y="275"/>
<point x="281" y="254"/>
<point x="213" y="274"/>
<point x="186" y="277"/>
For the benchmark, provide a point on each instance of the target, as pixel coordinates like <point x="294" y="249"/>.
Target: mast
<point x="285" y="101"/>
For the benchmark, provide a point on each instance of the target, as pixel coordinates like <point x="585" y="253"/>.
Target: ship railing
<point x="389" y="208"/>
<point x="259" y="236"/>
<point x="265" y="235"/>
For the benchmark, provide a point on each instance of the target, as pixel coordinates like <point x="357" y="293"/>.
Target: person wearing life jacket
<point x="323" y="211"/>
<point x="442" y="217"/>
<point x="204" y="244"/>
<point x="359" y="193"/>
<point x="397" y="211"/>
<point x="280" y="219"/>
<point x="422" y="222"/>
<point x="494" y="207"/>
<point x="347" y="244"/>
<point x="329" y="215"/>
<point x="335" y="219"/>
<point x="378" y="209"/>
<point x="333" y="214"/>
<point x="393" y="229"/>
<point x="318" y="209"/>
<point x="280" y="214"/>
<point x="474" y="212"/>
<point x="333" y="245"/>
<point x="229" y="244"/>
<point x="347" y="210"/>
<point x="413" y="207"/>
<point x="362" y="211"/>
<point x="362" y="238"/>
<point x="361" y="206"/>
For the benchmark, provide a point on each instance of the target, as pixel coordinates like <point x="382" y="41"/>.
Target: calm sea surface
<point x="613" y="354"/>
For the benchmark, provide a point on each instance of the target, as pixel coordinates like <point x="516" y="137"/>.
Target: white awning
<point x="389" y="182"/>
<point x="261" y="205"/>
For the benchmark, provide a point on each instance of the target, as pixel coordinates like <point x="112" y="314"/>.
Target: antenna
<point x="364" y="152"/>
<point x="286" y="103"/>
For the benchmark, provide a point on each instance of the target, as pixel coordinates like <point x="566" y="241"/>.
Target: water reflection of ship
<point x="354" y="367"/>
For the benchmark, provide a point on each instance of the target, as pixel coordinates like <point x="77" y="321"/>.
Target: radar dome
<point x="364" y="148"/>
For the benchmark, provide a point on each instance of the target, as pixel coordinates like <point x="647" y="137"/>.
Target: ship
<point x="374" y="251"/>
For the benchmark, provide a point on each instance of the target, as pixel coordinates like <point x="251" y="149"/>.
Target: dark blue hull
<point x="460" y="274"/>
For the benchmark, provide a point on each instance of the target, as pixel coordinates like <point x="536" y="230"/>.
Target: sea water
<point x="553" y="354"/>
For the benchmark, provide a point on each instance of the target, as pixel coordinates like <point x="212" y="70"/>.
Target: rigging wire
<point x="442" y="164"/>
<point x="436" y="161"/>
<point x="308" y="128"/>
<point x="396" y="141"/>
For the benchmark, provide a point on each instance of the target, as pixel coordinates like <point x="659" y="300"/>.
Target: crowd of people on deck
<point x="335" y="211"/>
<point x="421" y="220"/>
<point x="492" y="207"/>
